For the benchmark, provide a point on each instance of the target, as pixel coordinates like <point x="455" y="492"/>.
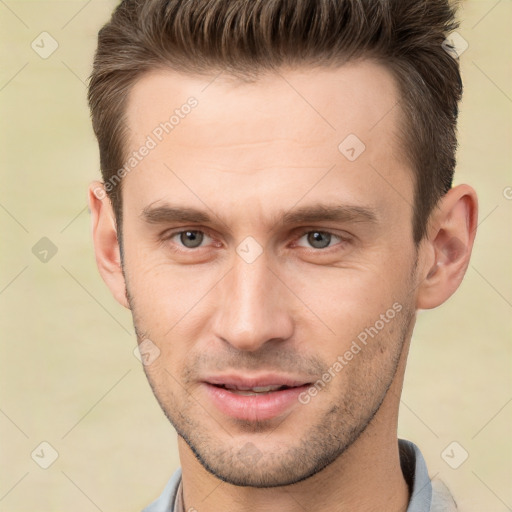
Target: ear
<point x="449" y="243"/>
<point x="106" y="245"/>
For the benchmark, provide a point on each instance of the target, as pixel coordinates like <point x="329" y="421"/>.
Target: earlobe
<point x="106" y="245"/>
<point x="450" y="241"/>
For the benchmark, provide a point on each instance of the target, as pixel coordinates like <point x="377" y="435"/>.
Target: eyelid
<point x="305" y="230"/>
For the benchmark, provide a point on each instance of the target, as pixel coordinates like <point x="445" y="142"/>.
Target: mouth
<point x="254" y="399"/>
<point x="256" y="390"/>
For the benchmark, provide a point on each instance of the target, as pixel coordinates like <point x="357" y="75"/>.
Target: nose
<point x="253" y="307"/>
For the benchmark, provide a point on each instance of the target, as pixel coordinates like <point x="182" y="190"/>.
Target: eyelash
<point x="342" y="239"/>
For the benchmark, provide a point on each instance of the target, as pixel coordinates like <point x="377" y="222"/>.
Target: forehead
<point x="305" y="104"/>
<point x="278" y="132"/>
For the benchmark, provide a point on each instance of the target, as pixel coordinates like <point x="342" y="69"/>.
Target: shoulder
<point x="442" y="499"/>
<point x="426" y="495"/>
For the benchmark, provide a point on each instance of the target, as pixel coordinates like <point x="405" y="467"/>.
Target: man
<point x="276" y="205"/>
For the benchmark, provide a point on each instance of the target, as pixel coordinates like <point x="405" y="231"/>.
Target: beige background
<point x="68" y="373"/>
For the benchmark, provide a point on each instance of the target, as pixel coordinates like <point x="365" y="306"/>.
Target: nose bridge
<point x="252" y="308"/>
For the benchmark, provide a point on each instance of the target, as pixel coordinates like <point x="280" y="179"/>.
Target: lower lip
<point x="259" y="407"/>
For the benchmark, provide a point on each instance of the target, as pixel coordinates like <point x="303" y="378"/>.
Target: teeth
<point x="254" y="390"/>
<point x="264" y="389"/>
<point x="245" y="393"/>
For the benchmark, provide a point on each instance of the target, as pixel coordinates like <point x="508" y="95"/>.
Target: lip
<point x="269" y="379"/>
<point x="264" y="406"/>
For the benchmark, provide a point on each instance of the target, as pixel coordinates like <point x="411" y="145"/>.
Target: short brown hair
<point x="245" y="37"/>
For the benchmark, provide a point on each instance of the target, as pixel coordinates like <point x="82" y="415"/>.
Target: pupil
<point x="191" y="239"/>
<point x="319" y="240"/>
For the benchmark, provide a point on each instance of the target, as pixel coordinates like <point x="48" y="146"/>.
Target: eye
<point x="190" y="238"/>
<point x="319" y="239"/>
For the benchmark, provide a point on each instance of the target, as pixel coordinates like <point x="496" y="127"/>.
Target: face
<point x="268" y="242"/>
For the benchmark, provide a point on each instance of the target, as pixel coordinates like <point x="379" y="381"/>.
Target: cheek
<point x="170" y="303"/>
<point x="344" y="300"/>
<point x="368" y="316"/>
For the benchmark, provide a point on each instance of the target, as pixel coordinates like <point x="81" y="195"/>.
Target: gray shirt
<point x="426" y="495"/>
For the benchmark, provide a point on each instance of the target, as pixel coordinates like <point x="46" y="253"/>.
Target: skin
<point x="248" y="153"/>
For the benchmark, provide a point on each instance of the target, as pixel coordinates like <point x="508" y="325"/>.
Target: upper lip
<point x="248" y="382"/>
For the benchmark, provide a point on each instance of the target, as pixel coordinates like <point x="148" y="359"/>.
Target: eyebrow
<point x="336" y="213"/>
<point x="166" y="213"/>
<point x="302" y="215"/>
